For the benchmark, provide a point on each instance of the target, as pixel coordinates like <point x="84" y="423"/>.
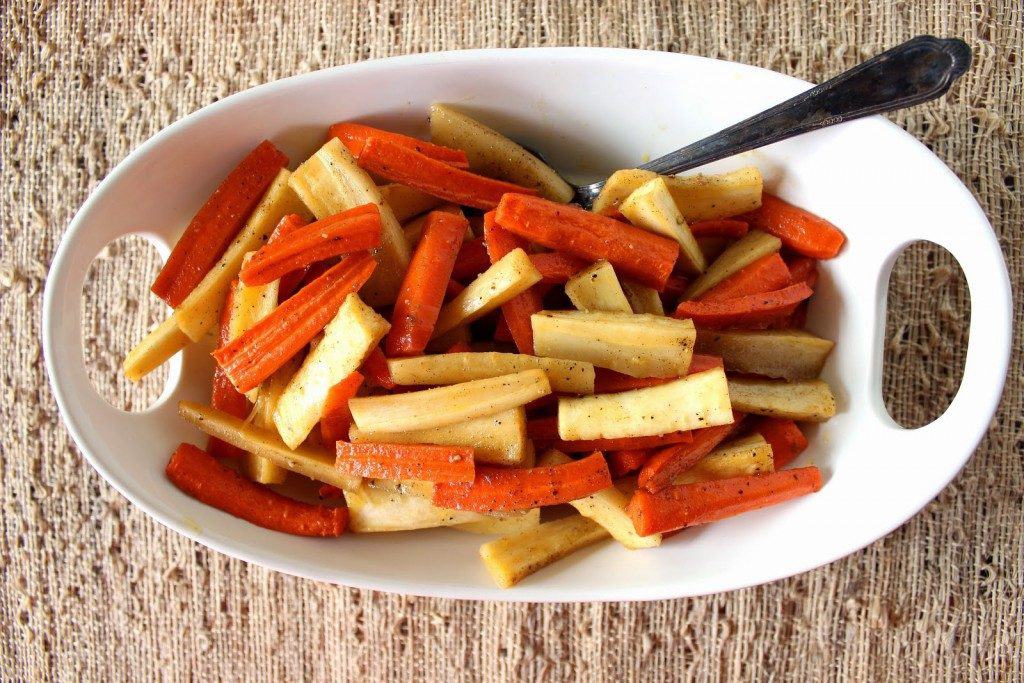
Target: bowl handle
<point x="961" y="427"/>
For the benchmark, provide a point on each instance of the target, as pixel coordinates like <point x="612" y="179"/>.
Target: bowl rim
<point x="296" y="567"/>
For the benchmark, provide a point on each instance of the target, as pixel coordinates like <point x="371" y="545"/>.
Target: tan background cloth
<point x="92" y="588"/>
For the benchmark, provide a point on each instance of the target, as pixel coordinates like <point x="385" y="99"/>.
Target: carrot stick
<point x="337" y="418"/>
<point x="399" y="462"/>
<point x="803" y="269"/>
<point x="687" y="505"/>
<point x="422" y="292"/>
<point x="786" y="439"/>
<point x="353" y="230"/>
<point x="746" y="311"/>
<point x="401" y="164"/>
<point x="495" y="489"/>
<point x="675" y="286"/>
<point x="610" y="382"/>
<point x="766" y="274"/>
<point x="665" y="464"/>
<point x="376" y="370"/>
<point x="265" y="347"/>
<point x="557" y="268"/>
<point x="472" y="260"/>
<point x="459" y="347"/>
<point x="799" y="230"/>
<point x="453" y="289"/>
<point x="355" y="135"/>
<point x="544" y="431"/>
<point x="719" y="228"/>
<point x="224" y="396"/>
<point x="290" y="281"/>
<point x="624" y="462"/>
<point x="515" y="312"/>
<point x="502" y="333"/>
<point x="217" y="222"/>
<point x="198" y="474"/>
<point x="634" y="253"/>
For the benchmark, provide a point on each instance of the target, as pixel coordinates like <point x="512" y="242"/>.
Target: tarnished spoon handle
<point x="916" y="71"/>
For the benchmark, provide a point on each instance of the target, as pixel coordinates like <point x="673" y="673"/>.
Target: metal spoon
<point x="916" y="71"/>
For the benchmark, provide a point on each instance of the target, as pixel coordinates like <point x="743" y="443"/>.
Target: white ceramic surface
<point x="589" y="110"/>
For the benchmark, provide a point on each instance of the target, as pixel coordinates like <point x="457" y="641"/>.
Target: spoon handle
<point x="916" y="71"/>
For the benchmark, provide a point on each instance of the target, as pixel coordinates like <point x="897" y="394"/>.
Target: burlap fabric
<point x="90" y="588"/>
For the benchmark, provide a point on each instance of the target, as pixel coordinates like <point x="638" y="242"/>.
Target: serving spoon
<point x="913" y="72"/>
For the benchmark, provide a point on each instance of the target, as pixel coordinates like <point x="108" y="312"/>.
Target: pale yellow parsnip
<point x="597" y="288"/>
<point x="740" y="254"/>
<point x="574" y="377"/>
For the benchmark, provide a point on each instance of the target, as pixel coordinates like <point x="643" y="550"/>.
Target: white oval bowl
<point x="589" y="111"/>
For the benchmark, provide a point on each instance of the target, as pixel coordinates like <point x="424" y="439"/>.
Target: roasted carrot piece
<point x="355" y="135"/>
<point x="719" y="228"/>
<point x="199" y="475"/>
<point x="353" y="230"/>
<point x="400" y="462"/>
<point x="453" y="289"/>
<point x="502" y="333"/>
<point x="803" y="269"/>
<point x="291" y="281"/>
<point x="557" y="268"/>
<point x="624" y="462"/>
<point x="422" y="292"/>
<point x="745" y="311"/>
<point x="610" y="382"/>
<point x="337" y="418"/>
<point x="224" y="396"/>
<point x="635" y="254"/>
<point x="471" y="260"/>
<point x="375" y="368"/>
<point x="799" y="230"/>
<point x="785" y="438"/>
<point x="544" y="431"/>
<point x="459" y="347"/>
<point x="686" y="505"/>
<point x="218" y="221"/>
<point x="517" y="311"/>
<point x="766" y="274"/>
<point x="265" y="347"/>
<point x="675" y="286"/>
<point x="663" y="465"/>
<point x="404" y="165"/>
<point x="495" y="489"/>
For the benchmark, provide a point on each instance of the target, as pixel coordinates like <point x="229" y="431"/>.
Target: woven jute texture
<point x="91" y="588"/>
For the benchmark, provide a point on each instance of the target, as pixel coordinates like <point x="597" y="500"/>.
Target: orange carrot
<point x="786" y="439"/>
<point x="471" y="260"/>
<point x="289" y="282"/>
<point x="675" y="286"/>
<point x="635" y="254"/>
<point x="766" y="274"/>
<point x="218" y="221"/>
<point x="422" y="292"/>
<point x="624" y="462"/>
<point x="353" y="230"/>
<point x="799" y="230"/>
<point x="199" y="475"/>
<point x="803" y="269"/>
<point x="376" y="369"/>
<point x="556" y="268"/>
<point x="502" y="333"/>
<point x="453" y="289"/>
<point x="610" y="382"/>
<point x="686" y="505"/>
<point x="517" y="311"/>
<point x="225" y="397"/>
<point x="265" y="347"/>
<point x="665" y="464"/>
<point x="495" y="489"/>
<point x="720" y="228"/>
<point x="401" y="164"/>
<point x="355" y="135"/>
<point x="337" y="418"/>
<point x="544" y="431"/>
<point x="328" y="492"/>
<point x="459" y="347"/>
<point x="745" y="311"/>
<point x="399" y="462"/>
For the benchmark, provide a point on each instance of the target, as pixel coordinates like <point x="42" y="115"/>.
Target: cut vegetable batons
<point x="635" y="344"/>
<point x="787" y="354"/>
<point x="651" y="207"/>
<point x="698" y="197"/>
<point x="249" y="305"/>
<point x="503" y="523"/>
<point x="643" y="299"/>
<point x="406" y="202"/>
<point x="259" y="468"/>
<point x="807" y="399"/>
<point x="691" y="402"/>
<point x="566" y="376"/>
<point x="492" y="154"/>
<point x="512" y="558"/>
<point x="742" y="457"/>
<point x="378" y="506"/>
<point x="597" y="288"/>
<point x="330" y="182"/>
<point x="347" y="340"/>
<point x="740" y="254"/>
